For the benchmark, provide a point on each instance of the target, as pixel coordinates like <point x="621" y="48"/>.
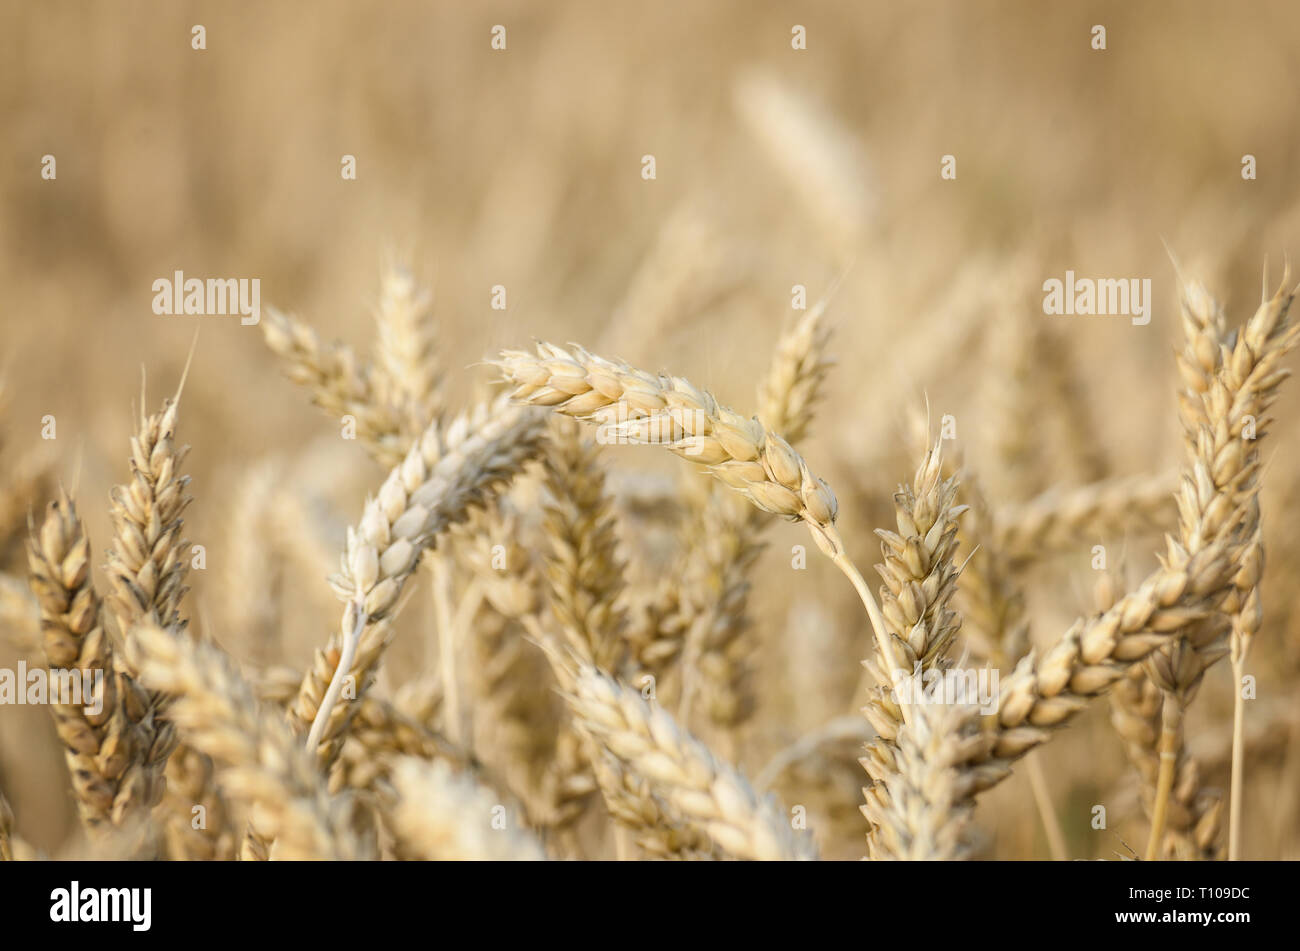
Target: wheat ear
<point x="106" y="775"/>
<point x="406" y="360"/>
<point x="689" y="422"/>
<point x="441" y="480"/>
<point x="1060" y="519"/>
<point x="1229" y="383"/>
<point x="711" y="795"/>
<point x="261" y="766"/>
<point x="340" y="384"/>
<point x="928" y="815"/>
<point x="920" y="579"/>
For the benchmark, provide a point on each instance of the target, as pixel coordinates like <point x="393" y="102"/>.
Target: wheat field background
<point x="522" y="169"/>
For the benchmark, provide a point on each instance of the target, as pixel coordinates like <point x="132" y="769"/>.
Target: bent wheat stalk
<point x="638" y="407"/>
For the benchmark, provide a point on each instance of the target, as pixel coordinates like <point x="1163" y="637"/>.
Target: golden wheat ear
<point x="669" y="411"/>
<point x="261" y="765"/>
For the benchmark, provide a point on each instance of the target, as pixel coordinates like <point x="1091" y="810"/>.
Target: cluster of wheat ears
<point x="578" y="713"/>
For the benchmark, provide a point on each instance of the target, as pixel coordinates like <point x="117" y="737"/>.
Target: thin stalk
<point x="1171" y="719"/>
<point x="1238" y="760"/>
<point x="446" y="649"/>
<point x="851" y="572"/>
<point x="341" y="670"/>
<point x="1046" y="811"/>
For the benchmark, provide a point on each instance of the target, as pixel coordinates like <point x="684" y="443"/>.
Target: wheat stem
<point x="843" y="562"/>
<point x="1046" y="811"/>
<point x="441" y="588"/>
<point x="1238" y="757"/>
<point x="1171" y="720"/>
<point x="341" y="671"/>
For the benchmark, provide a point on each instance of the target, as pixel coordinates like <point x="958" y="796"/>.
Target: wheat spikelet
<point x="1229" y="384"/>
<point x="193" y="797"/>
<point x="991" y="603"/>
<point x="147" y="562"/>
<point x="789" y="392"/>
<point x="714" y="595"/>
<point x="654" y="825"/>
<point x="723" y="542"/>
<point x="516" y="713"/>
<point x="1136" y="706"/>
<point x="251" y="570"/>
<point x="1042" y="695"/>
<point x="818" y="156"/>
<point x="147" y="567"/>
<point x="260" y="764"/>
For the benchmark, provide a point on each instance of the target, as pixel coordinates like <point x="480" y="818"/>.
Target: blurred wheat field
<point x="484" y="172"/>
